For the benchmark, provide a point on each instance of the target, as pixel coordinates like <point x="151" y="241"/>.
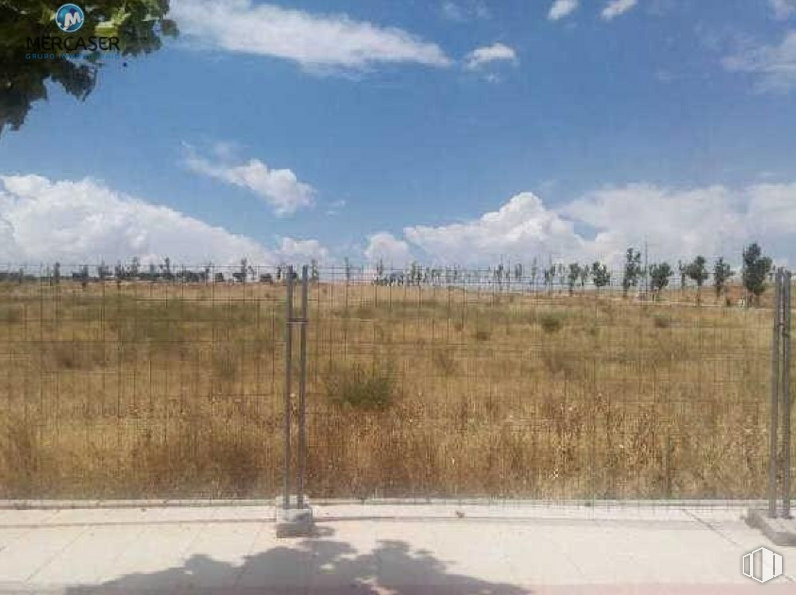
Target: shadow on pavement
<point x="309" y="566"/>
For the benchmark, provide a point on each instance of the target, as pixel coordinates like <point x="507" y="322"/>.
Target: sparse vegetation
<point x="551" y="322"/>
<point x="362" y="388"/>
<point x="153" y="389"/>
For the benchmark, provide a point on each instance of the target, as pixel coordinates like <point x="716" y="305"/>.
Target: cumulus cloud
<point x="561" y="8"/>
<point x="490" y="53"/>
<point x="674" y="223"/>
<point x="302" y="250"/>
<point x="782" y="9"/>
<point x="312" y="40"/>
<point x="615" y="8"/>
<point x="279" y="188"/>
<point x="522" y="226"/>
<point x="84" y="221"/>
<point x="390" y="250"/>
<point x="774" y="65"/>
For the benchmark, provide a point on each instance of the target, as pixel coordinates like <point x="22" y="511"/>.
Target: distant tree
<point x="632" y="270"/>
<point x="584" y="275"/>
<point x="315" y="273"/>
<point x="659" y="277"/>
<point x="534" y="272"/>
<point x="756" y="268"/>
<point x="135" y="267"/>
<point x="697" y="271"/>
<point x="347" y="270"/>
<point x="681" y="268"/>
<point x="550" y="277"/>
<point x="600" y="275"/>
<point x="57" y="273"/>
<point x="721" y="274"/>
<point x="83" y="276"/>
<point x="415" y="273"/>
<point x="379" y="269"/>
<point x="103" y="271"/>
<point x="166" y="269"/>
<point x="572" y="277"/>
<point x="518" y="272"/>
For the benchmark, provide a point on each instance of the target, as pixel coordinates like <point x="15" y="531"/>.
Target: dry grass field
<point x="175" y="389"/>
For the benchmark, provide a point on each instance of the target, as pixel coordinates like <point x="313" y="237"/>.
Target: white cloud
<point x="676" y="224"/>
<point x="561" y="8"/>
<point x="387" y="248"/>
<point x="522" y="226"/>
<point x="316" y="41"/>
<point x="775" y="65"/>
<point x="783" y="9"/>
<point x="84" y="221"/>
<point x="491" y="53"/>
<point x="302" y="250"/>
<point x="614" y="8"/>
<point x="465" y="11"/>
<point x="279" y="188"/>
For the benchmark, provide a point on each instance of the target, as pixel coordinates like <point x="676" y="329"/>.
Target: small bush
<point x="370" y="388"/>
<point x="661" y="321"/>
<point x="551" y="322"/>
<point x="445" y="362"/>
<point x="226" y="362"/>
<point x="481" y="335"/>
<point x="9" y="315"/>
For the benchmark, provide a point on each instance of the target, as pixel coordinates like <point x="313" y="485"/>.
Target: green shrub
<point x="661" y="321"/>
<point x="10" y="315"/>
<point x="551" y="322"/>
<point x="481" y="335"/>
<point x="367" y="388"/>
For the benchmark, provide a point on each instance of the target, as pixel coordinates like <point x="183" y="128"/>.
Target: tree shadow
<point x="322" y="566"/>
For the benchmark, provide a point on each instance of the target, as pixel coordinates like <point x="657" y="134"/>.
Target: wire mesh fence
<point x="420" y="382"/>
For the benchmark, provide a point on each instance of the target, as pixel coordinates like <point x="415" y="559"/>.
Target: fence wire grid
<point x="444" y="383"/>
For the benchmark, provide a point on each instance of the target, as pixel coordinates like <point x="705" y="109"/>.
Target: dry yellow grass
<point x="155" y="389"/>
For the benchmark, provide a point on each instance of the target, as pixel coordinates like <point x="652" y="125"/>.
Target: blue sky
<point x="670" y="122"/>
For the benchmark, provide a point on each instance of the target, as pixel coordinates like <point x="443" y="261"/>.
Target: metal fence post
<point x="786" y="398"/>
<point x="302" y="436"/>
<point x="288" y="370"/>
<point x="774" y="423"/>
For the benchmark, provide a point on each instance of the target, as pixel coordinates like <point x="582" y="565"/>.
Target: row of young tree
<point x="755" y="270"/>
<point x="656" y="277"/>
<point x="635" y="276"/>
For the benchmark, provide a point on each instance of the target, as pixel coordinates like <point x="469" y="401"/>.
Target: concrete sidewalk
<point x="500" y="550"/>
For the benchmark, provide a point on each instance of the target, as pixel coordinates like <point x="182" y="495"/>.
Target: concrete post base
<point x="780" y="531"/>
<point x="293" y="521"/>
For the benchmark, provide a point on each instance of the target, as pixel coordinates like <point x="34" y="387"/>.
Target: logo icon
<point x="762" y="565"/>
<point x="69" y="18"/>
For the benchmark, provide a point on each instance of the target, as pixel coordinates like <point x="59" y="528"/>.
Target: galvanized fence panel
<point x="502" y="382"/>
